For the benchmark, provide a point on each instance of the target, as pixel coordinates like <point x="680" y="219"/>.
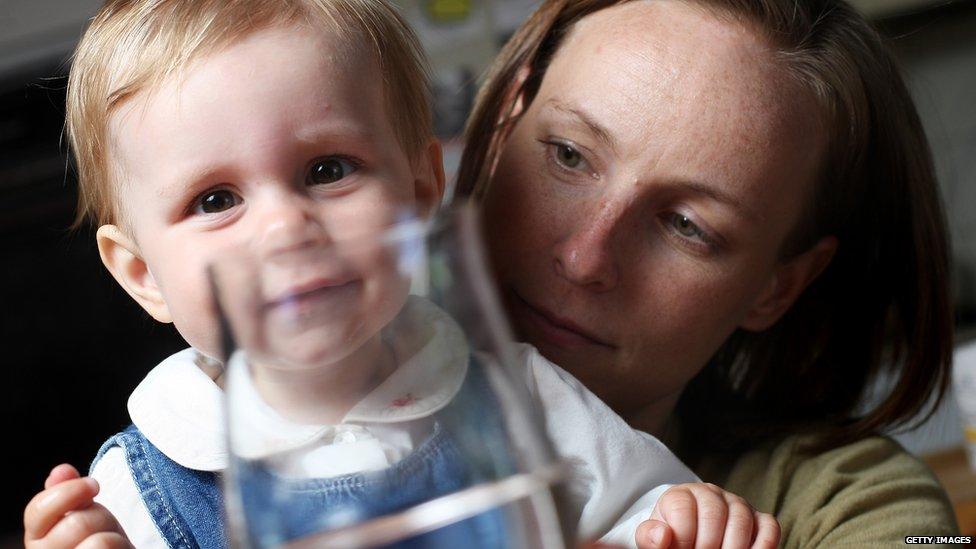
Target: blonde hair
<point x="133" y="45"/>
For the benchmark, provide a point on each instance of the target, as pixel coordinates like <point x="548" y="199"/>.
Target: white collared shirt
<point x="383" y="427"/>
<point x="617" y="472"/>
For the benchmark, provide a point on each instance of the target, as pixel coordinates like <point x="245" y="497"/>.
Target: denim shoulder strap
<point x="185" y="504"/>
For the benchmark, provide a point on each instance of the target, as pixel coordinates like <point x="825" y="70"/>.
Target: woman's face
<point x="640" y="202"/>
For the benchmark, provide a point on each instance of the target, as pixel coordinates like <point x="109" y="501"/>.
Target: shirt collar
<point x="434" y="355"/>
<point x="180" y="408"/>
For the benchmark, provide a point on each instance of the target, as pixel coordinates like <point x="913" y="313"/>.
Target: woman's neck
<point x="653" y="418"/>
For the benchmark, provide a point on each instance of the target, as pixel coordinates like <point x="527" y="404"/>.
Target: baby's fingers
<point x="77" y="526"/>
<point x="653" y="534"/>
<point x="713" y="513"/>
<point x="60" y="474"/>
<point x="740" y="530"/>
<point x="49" y="506"/>
<point x="106" y="540"/>
<point x="678" y="508"/>
<point x="767" y="531"/>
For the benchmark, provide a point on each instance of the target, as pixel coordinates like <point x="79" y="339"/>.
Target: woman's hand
<point x="703" y="516"/>
<point x="65" y="514"/>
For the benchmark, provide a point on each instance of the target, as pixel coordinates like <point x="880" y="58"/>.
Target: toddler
<point x="209" y="126"/>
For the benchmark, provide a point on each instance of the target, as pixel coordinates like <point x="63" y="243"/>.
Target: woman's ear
<point x="429" y="179"/>
<point x="122" y="258"/>
<point x="516" y="95"/>
<point x="516" y="98"/>
<point x="787" y="284"/>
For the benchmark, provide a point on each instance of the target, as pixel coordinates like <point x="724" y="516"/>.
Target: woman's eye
<point x="687" y="228"/>
<point x="568" y="156"/>
<point x="329" y="170"/>
<point x="217" y="201"/>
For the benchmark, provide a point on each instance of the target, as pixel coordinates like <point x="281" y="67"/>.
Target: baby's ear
<point x="429" y="179"/>
<point x="122" y="258"/>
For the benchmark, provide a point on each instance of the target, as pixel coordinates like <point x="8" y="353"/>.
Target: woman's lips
<point x="558" y="331"/>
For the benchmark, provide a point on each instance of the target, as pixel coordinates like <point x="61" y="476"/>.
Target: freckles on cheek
<point x="685" y="292"/>
<point x="720" y="303"/>
<point x="537" y="201"/>
<point x="522" y="220"/>
<point x="521" y="204"/>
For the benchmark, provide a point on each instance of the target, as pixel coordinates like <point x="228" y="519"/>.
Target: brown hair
<point x="132" y="45"/>
<point x="882" y="305"/>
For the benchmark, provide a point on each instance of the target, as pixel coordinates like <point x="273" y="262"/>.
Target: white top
<point x="617" y="473"/>
<point x="385" y="426"/>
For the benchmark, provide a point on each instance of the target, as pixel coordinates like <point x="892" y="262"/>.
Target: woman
<point x="722" y="217"/>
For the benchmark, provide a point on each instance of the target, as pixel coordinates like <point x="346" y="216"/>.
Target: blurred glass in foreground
<point x="371" y="401"/>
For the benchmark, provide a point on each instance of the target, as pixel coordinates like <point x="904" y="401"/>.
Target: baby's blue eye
<point x="217" y="201"/>
<point x="329" y="170"/>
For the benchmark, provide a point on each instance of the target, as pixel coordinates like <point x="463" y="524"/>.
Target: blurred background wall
<point x="74" y="345"/>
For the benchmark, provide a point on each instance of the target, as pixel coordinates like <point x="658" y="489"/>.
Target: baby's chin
<point x="319" y="350"/>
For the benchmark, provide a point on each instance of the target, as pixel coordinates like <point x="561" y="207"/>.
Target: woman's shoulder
<point x="868" y="492"/>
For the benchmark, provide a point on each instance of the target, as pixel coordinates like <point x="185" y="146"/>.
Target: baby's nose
<point x="288" y="223"/>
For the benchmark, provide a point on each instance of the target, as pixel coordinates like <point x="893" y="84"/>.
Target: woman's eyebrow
<point x="581" y="116"/>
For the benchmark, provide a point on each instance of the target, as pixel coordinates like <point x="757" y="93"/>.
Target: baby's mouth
<point x="312" y="290"/>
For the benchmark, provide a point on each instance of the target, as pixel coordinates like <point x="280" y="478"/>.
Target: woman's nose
<point x="586" y="257"/>
<point x="288" y="222"/>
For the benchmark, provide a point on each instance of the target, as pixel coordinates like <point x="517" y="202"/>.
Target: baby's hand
<point x="65" y="514"/>
<point x="703" y="516"/>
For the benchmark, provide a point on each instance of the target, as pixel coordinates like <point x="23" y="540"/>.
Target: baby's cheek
<point x="194" y="317"/>
<point x="200" y="332"/>
<point x="385" y="295"/>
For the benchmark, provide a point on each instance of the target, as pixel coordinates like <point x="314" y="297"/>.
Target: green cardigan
<point x="870" y="493"/>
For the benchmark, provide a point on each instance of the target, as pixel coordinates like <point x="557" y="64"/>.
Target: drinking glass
<point x="372" y="399"/>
